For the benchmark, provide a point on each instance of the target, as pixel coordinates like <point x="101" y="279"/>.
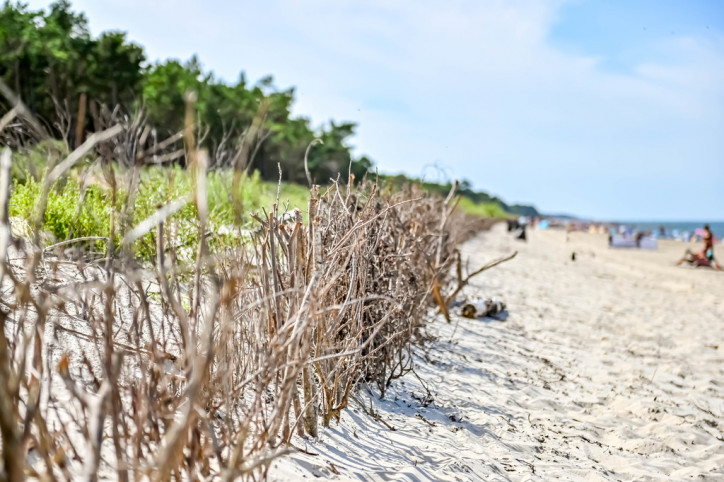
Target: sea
<point x="676" y="229"/>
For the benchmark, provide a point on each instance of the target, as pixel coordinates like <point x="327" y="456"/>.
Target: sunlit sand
<point x="610" y="367"/>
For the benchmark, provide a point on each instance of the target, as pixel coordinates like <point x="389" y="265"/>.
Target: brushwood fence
<point x="111" y="367"/>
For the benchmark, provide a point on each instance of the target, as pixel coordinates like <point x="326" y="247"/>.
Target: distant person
<point x="705" y="257"/>
<point x="639" y="236"/>
<point x="662" y="232"/>
<point x="708" y="251"/>
<point x="520" y="233"/>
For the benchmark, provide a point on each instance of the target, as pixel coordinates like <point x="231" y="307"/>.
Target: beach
<point x="609" y="367"/>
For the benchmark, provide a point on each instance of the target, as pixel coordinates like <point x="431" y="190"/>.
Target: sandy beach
<point x="609" y="367"/>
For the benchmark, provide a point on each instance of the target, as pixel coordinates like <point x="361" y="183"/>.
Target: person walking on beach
<point x="706" y="256"/>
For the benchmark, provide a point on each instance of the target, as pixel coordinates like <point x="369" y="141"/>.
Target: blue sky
<point x="608" y="109"/>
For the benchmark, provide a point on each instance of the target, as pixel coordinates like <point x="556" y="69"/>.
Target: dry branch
<point x="463" y="282"/>
<point x="204" y="369"/>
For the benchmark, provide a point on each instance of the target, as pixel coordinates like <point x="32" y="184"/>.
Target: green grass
<point x="67" y="213"/>
<point x="33" y="162"/>
<point x="82" y="203"/>
<point x="75" y="211"/>
<point x="486" y="210"/>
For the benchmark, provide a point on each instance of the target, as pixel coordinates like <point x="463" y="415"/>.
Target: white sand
<point x="607" y="368"/>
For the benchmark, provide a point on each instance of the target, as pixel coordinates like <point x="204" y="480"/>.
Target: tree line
<point x="67" y="78"/>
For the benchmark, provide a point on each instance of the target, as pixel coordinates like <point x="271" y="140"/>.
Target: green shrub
<point x="70" y="212"/>
<point x="34" y="161"/>
<point x="75" y="212"/>
<point x="486" y="210"/>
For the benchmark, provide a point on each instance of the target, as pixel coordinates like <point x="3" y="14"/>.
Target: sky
<point x="606" y="109"/>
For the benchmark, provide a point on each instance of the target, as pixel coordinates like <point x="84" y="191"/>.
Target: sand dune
<point x="607" y="368"/>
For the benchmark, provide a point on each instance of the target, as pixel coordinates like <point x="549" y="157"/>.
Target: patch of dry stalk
<point x="110" y="368"/>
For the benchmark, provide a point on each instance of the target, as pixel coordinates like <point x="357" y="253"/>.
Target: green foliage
<point x="159" y="186"/>
<point x="474" y="202"/>
<point x="50" y="57"/>
<point x="523" y="210"/>
<point x="70" y="212"/>
<point x="77" y="211"/>
<point x="33" y="161"/>
<point x="163" y="93"/>
<point x="485" y="210"/>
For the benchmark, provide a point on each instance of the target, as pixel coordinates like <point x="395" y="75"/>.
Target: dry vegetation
<point x="112" y="367"/>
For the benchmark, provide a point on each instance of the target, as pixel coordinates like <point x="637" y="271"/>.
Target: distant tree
<point x="51" y="60"/>
<point x="115" y="69"/>
<point x="19" y="47"/>
<point x="164" y="87"/>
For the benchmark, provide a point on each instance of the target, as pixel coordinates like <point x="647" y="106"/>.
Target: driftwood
<point x="463" y="282"/>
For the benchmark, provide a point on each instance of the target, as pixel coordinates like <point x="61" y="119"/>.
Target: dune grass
<point x="82" y="204"/>
<point x="484" y="210"/>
